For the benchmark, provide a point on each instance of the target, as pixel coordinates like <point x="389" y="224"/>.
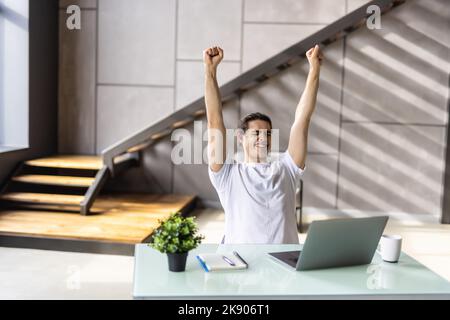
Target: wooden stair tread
<point x="55" y="180"/>
<point x="68" y="162"/>
<point x="46" y="198"/>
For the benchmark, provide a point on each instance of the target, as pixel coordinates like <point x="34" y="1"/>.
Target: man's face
<point x="256" y="141"/>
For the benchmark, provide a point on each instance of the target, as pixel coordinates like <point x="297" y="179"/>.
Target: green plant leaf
<point x="177" y="234"/>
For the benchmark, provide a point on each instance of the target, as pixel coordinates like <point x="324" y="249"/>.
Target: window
<point x="13" y="74"/>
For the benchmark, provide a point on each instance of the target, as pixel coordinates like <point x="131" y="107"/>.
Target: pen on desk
<point x="230" y="262"/>
<point x="239" y="257"/>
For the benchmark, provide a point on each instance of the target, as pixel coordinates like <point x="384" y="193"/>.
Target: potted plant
<point x="176" y="236"/>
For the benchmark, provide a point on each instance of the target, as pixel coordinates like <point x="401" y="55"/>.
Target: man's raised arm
<point x="299" y="131"/>
<point x="216" y="128"/>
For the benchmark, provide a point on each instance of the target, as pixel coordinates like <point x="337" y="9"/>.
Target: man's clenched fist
<point x="314" y="56"/>
<point x="212" y="56"/>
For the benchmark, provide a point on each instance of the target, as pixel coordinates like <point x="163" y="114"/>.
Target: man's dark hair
<point x="253" y="116"/>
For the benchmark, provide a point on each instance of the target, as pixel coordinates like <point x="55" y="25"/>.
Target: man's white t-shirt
<point x="259" y="200"/>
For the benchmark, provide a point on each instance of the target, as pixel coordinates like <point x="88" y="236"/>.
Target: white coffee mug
<point x="390" y="247"/>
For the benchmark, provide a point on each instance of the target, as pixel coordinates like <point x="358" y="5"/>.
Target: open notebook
<point x="221" y="262"/>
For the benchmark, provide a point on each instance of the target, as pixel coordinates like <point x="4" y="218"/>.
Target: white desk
<point x="267" y="279"/>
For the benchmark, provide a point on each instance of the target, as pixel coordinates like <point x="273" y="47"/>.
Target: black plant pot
<point x="177" y="261"/>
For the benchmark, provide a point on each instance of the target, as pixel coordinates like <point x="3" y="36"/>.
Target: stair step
<point x="55" y="180"/>
<point x="68" y="162"/>
<point x="43" y="198"/>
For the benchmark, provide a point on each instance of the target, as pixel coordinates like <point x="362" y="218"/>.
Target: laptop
<point x="336" y="243"/>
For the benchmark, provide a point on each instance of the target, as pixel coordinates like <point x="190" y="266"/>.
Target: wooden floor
<point x="126" y="219"/>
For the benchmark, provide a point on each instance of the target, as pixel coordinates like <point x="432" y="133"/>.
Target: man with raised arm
<point x="258" y="195"/>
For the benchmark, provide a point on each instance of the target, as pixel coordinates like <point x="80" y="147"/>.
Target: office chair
<point x="299" y="205"/>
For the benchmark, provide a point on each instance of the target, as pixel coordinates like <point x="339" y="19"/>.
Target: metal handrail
<point x="247" y="80"/>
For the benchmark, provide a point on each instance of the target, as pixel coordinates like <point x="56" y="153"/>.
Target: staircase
<point x="75" y="180"/>
<point x="62" y="182"/>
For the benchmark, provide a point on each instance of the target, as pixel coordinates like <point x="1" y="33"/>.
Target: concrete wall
<point x="377" y="137"/>
<point x="42" y="88"/>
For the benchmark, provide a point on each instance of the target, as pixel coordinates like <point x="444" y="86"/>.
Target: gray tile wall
<point x="257" y="48"/>
<point x="294" y="11"/>
<point x="77" y="85"/>
<point x="190" y="79"/>
<point x="84" y="4"/>
<point x="376" y="139"/>
<point x="394" y="113"/>
<point x="124" y="58"/>
<point x="123" y="110"/>
<point x="391" y="167"/>
<point x="203" y="23"/>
